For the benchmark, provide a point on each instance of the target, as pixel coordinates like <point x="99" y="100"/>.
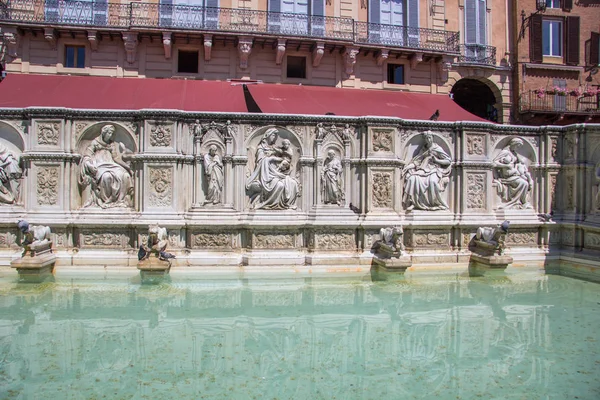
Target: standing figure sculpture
<point x="103" y="168"/>
<point x="213" y="170"/>
<point x="10" y="174"/>
<point x="331" y="179"/>
<point x="513" y="182"/>
<point x="426" y="177"/>
<point x="270" y="186"/>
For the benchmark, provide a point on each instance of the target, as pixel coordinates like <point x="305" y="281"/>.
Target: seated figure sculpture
<point x="36" y="239"/>
<point x="513" y="180"/>
<point x="490" y="240"/>
<point x="157" y="244"/>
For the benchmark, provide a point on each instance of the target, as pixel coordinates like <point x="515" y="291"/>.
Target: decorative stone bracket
<point x="382" y="56"/>
<point x="93" y="39"/>
<point x="50" y="36"/>
<point x="444" y="64"/>
<point x="167" y="44"/>
<point x="280" y="51"/>
<point x="415" y="59"/>
<point x="207" y="47"/>
<point x="318" y="51"/>
<point x="350" y="54"/>
<point x="244" y="50"/>
<point x="11" y="40"/>
<point x="130" y="39"/>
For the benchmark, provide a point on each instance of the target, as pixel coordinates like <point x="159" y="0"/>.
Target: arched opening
<point x="476" y="97"/>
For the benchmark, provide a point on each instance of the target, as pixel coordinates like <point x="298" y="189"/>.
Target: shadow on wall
<point x="475" y="97"/>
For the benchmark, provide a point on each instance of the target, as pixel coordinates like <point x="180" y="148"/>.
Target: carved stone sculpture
<point x="331" y="179"/>
<point x="157" y="244"/>
<point x="491" y="240"/>
<point x="104" y="168"/>
<point x="10" y="176"/>
<point x="213" y="170"/>
<point x="270" y="185"/>
<point x="426" y="177"/>
<point x="390" y="243"/>
<point x="513" y="181"/>
<point x="36" y="239"/>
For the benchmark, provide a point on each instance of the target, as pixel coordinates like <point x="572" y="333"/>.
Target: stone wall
<point x="279" y="190"/>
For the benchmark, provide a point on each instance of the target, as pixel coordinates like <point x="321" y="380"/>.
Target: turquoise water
<point x="532" y="337"/>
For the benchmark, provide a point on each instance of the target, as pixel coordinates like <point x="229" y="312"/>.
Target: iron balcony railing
<point x="185" y="17"/>
<point x="477" y="54"/>
<point x="550" y="102"/>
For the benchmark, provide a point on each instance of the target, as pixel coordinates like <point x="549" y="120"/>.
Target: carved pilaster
<point x="130" y="40"/>
<point x="50" y="37"/>
<point x="350" y="59"/>
<point x="93" y="39"/>
<point x="47" y="185"/>
<point x="11" y="40"/>
<point x="382" y="56"/>
<point x="318" y="51"/>
<point x="415" y="59"/>
<point x="280" y="51"/>
<point x="167" y="44"/>
<point x="207" y="47"/>
<point x="244" y="50"/>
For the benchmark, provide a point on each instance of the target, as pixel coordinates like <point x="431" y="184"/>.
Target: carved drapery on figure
<point x="270" y="185"/>
<point x="512" y="179"/>
<point x="10" y="176"/>
<point x="104" y="168"/>
<point x="426" y="177"/>
<point x="331" y="179"/>
<point x="213" y="170"/>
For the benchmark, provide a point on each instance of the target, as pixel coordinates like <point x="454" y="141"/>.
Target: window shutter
<point x="572" y="41"/>
<point x="274" y="5"/>
<point x="594" y="49"/>
<point x="374" y="10"/>
<point x="470" y="21"/>
<point x="535" y="39"/>
<point x="413" y="13"/>
<point x="567" y="5"/>
<point x="318" y="7"/>
<point x="482" y="22"/>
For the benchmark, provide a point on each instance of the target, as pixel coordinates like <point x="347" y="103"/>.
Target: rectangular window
<point x="296" y="67"/>
<point x="475" y="22"/>
<point x="552" y="3"/>
<point x="552" y="38"/>
<point x="74" y="56"/>
<point x="187" y="61"/>
<point x="395" y="74"/>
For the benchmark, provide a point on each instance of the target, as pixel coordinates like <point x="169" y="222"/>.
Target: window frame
<point x="553" y="4"/>
<point x="307" y="69"/>
<point x="77" y="49"/>
<point x="186" y="50"/>
<point x="61" y="54"/>
<point x="550" y="22"/>
<point x="387" y="70"/>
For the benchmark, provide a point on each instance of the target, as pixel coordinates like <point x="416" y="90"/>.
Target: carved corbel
<point x="167" y="44"/>
<point x="130" y="39"/>
<point x="318" y="52"/>
<point x="93" y="39"/>
<point x="350" y="59"/>
<point x="11" y="40"/>
<point x="382" y="56"/>
<point x="415" y="59"/>
<point x="207" y="47"/>
<point x="50" y="36"/>
<point x="244" y="50"/>
<point x="443" y="65"/>
<point x="280" y="51"/>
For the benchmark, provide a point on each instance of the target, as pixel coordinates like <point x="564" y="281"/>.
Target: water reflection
<point x="301" y="339"/>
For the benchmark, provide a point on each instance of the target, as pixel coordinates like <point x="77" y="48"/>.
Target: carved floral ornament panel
<point x="48" y="133"/>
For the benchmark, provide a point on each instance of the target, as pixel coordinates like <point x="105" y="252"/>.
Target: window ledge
<point x="557" y="67"/>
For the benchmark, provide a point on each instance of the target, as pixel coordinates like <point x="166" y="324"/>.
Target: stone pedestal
<point x="398" y="264"/>
<point x="492" y="261"/>
<point x="154" y="270"/>
<point x="37" y="265"/>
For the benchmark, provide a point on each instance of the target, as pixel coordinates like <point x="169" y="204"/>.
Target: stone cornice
<point x="149" y="157"/>
<point x="48" y="156"/>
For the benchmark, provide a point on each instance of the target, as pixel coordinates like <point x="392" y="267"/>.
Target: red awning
<point x="105" y="93"/>
<point x="317" y="100"/>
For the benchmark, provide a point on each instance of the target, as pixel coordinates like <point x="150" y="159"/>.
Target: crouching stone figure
<point x="157" y="244"/>
<point x="36" y="239"/>
<point x="491" y="240"/>
<point x="390" y="243"/>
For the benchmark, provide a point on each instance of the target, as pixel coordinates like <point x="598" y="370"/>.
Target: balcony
<point x="137" y="16"/>
<point x="477" y="54"/>
<point x="548" y="103"/>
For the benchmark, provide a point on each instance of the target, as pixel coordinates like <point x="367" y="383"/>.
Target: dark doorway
<point x="475" y="97"/>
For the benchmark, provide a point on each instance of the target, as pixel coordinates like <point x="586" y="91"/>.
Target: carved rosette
<point x="475" y="145"/>
<point x="382" y="140"/>
<point x="591" y="240"/>
<point x="382" y="189"/>
<point x="431" y="239"/>
<point x="161" y="193"/>
<point x="47" y="186"/>
<point x="476" y="191"/>
<point x="327" y="240"/>
<point x="206" y="240"/>
<point x="160" y="136"/>
<point x="273" y="241"/>
<point x="105" y="239"/>
<point x="523" y="238"/>
<point x="48" y="133"/>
